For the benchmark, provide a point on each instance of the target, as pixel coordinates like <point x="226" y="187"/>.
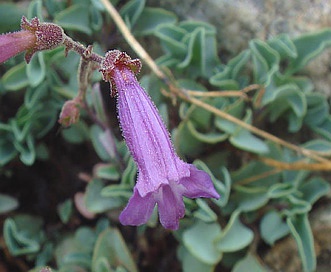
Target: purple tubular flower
<point x="163" y="178"/>
<point x="13" y="43"/>
<point x="33" y="37"/>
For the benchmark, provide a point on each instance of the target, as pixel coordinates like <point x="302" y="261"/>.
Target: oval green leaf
<point x="235" y="236"/>
<point x="200" y="239"/>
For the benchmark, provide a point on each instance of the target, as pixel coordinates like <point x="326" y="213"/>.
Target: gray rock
<point x="239" y="21"/>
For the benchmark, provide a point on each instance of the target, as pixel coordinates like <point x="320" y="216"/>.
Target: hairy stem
<point x="85" y="52"/>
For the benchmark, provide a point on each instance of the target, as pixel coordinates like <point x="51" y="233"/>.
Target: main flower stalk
<point x="163" y="178"/>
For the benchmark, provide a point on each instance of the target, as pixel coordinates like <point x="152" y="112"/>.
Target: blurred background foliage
<point x="61" y="190"/>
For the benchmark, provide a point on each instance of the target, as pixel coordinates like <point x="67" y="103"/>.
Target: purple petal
<point x="138" y="210"/>
<point x="171" y="207"/>
<point x="162" y="177"/>
<point x="145" y="134"/>
<point x="13" y="43"/>
<point x="198" y="184"/>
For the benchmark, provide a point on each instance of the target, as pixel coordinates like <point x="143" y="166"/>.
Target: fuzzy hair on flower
<point x="163" y="178"/>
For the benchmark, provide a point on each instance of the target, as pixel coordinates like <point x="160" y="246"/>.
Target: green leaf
<point x="75" y="249"/>
<point x="75" y="18"/>
<point x="256" y="169"/>
<point x="201" y="57"/>
<point x="280" y="190"/>
<point x="250" y="199"/>
<point x="53" y="7"/>
<point x="228" y="78"/>
<point x="103" y="266"/>
<point x="131" y="12"/>
<point x="10" y="16"/>
<point x="45" y="255"/>
<point x="288" y="99"/>
<point x="96" y="202"/>
<point x="85" y="238"/>
<point x="42" y="152"/>
<point x="21" y="126"/>
<point x="200" y="239"/>
<point x="97" y="4"/>
<point x="36" y="70"/>
<point x="74" y="259"/>
<point x="200" y="118"/>
<point x="65" y="210"/>
<point x="204" y="213"/>
<point x="224" y="189"/>
<point x="27" y="150"/>
<point x="110" y="250"/>
<point x="191" y="25"/>
<point x="284" y="46"/>
<point x="23" y="234"/>
<point x="106" y="171"/>
<point x="7" y="203"/>
<point x="96" y="19"/>
<point x="151" y="18"/>
<point x="236" y="109"/>
<point x="235" y="236"/>
<point x="15" y="78"/>
<point x="317" y="109"/>
<point x="318" y="145"/>
<point x="44" y="120"/>
<point x="301" y="231"/>
<point x="192" y="264"/>
<point x="185" y="142"/>
<point x="296" y="206"/>
<point x="35" y="9"/>
<point x="304" y="84"/>
<point x="294" y="122"/>
<point x="98" y="104"/>
<point x="265" y="61"/>
<point x="247" y="141"/>
<point x="297" y="102"/>
<point x="171" y="40"/>
<point x="117" y="190"/>
<point x="34" y="96"/>
<point x="273" y="228"/>
<point x="314" y="189"/>
<point x="249" y="263"/>
<point x="104" y="142"/>
<point x="308" y="46"/>
<point x="130" y="173"/>
<point x="7" y="148"/>
<point x="209" y="137"/>
<point x="324" y="128"/>
<point x="167" y="61"/>
<point x="66" y="64"/>
<point x="76" y="133"/>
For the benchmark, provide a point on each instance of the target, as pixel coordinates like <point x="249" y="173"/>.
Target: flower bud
<point x="70" y="112"/>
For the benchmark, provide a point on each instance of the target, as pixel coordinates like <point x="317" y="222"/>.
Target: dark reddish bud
<point x="70" y="112"/>
<point x="116" y="60"/>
